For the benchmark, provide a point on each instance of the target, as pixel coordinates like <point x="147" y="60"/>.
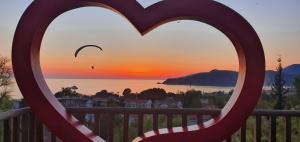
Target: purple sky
<point x="160" y="53"/>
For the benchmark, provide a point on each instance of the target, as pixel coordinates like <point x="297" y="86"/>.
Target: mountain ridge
<point x="228" y="78"/>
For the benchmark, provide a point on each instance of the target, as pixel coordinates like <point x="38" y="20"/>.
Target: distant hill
<point x="292" y="69"/>
<point x="228" y="78"/>
<point x="269" y="78"/>
<point x="212" y="78"/>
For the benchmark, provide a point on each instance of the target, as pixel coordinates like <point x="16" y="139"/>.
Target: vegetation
<point x="278" y="88"/>
<point x="127" y="93"/>
<point x="294" y="100"/>
<point x="68" y="92"/>
<point x="297" y="86"/>
<point x="192" y="99"/>
<point x="5" y="81"/>
<point x="153" y="94"/>
<point x="106" y="94"/>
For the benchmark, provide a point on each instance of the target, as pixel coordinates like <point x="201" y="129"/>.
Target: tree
<point x="192" y="99"/>
<point x="127" y="93"/>
<point x="153" y="94"/>
<point x="5" y="81"/>
<point x="278" y="88"/>
<point x="297" y="86"/>
<point x="68" y="92"/>
<point x="294" y="100"/>
<point x="106" y="94"/>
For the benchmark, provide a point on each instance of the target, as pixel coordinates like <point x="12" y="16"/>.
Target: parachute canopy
<point x="86" y="46"/>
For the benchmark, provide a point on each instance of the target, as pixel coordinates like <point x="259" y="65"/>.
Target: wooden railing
<point x="20" y="126"/>
<point x="126" y="113"/>
<point x="124" y="124"/>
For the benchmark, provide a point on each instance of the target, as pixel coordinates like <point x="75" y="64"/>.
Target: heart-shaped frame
<point x="41" y="13"/>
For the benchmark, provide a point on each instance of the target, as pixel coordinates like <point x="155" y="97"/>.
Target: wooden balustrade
<point x="22" y="126"/>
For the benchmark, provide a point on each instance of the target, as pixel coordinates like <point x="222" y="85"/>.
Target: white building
<point x="169" y="102"/>
<point x="137" y="103"/>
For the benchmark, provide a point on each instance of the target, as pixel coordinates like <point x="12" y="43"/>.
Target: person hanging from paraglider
<point x="83" y="47"/>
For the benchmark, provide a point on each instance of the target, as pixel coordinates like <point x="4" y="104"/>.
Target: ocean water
<point x="92" y="86"/>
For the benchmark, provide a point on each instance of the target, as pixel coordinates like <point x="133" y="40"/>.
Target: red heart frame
<point x="36" y="19"/>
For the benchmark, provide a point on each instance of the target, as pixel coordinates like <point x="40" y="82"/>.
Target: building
<point x="137" y="103"/>
<point x="169" y="102"/>
<point x="74" y="102"/>
<point x="100" y="102"/>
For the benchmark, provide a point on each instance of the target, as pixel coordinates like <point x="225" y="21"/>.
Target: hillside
<point x="212" y="78"/>
<point x="228" y="78"/>
<point x="292" y="69"/>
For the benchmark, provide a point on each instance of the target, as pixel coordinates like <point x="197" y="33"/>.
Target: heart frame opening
<point x="40" y="14"/>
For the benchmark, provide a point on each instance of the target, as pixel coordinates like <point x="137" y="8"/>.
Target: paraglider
<point x="82" y="47"/>
<point x="79" y="49"/>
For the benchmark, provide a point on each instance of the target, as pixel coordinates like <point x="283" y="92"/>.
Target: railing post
<point x="184" y="120"/>
<point x="53" y="138"/>
<point x="200" y="119"/>
<point x="7" y="131"/>
<point x="288" y="132"/>
<point x="228" y="139"/>
<point x="126" y="128"/>
<point x="39" y="131"/>
<point x="141" y="124"/>
<point x="31" y="127"/>
<point x="16" y="125"/>
<point x="111" y="128"/>
<point x="81" y="118"/>
<point x="258" y="129"/>
<point x="97" y="123"/>
<point x="273" y="129"/>
<point x="243" y="132"/>
<point x="155" y="121"/>
<point x="169" y="121"/>
<point x="25" y="127"/>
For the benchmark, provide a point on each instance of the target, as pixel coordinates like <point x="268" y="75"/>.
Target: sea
<point x="92" y="86"/>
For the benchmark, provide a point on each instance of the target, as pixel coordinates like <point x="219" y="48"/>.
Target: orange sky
<point x="160" y="54"/>
<point x="165" y="52"/>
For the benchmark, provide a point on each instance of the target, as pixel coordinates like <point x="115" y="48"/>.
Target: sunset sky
<point x="172" y="50"/>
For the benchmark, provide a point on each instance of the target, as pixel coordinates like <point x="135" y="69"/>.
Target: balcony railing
<point x="124" y="124"/>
